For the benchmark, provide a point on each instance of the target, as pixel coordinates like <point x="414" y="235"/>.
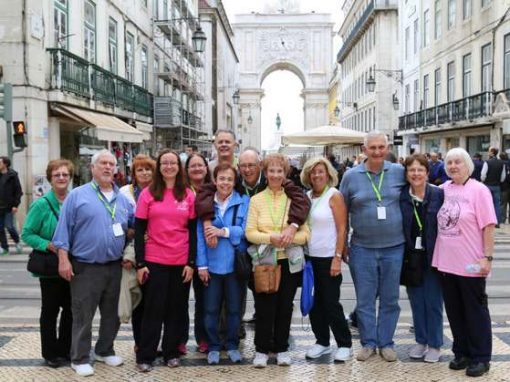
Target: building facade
<point x="459" y="92"/>
<point x="370" y="49"/>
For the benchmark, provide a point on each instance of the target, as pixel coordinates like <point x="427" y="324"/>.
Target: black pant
<point x="136" y="319"/>
<point x="465" y="303"/>
<point x="200" y="334"/>
<point x="7" y="222"/>
<point x="55" y="295"/>
<point x="164" y="303"/>
<point x="327" y="312"/>
<point x="274" y="313"/>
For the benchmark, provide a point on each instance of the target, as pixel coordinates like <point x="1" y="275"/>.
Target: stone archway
<point x="300" y="43"/>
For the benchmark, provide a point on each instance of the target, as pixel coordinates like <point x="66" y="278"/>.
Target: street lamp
<point x="395" y="74"/>
<point x="235" y="97"/>
<point x="395" y="101"/>
<point x="250" y="119"/>
<point x="198" y="39"/>
<point x="336" y="111"/>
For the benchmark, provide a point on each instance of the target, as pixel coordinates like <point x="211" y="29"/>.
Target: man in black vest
<point x="493" y="174"/>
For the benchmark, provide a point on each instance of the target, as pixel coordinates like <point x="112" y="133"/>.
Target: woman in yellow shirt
<point x="267" y="217"/>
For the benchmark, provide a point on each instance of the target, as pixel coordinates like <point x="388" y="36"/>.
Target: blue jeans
<point x="377" y="275"/>
<point x="221" y="287"/>
<point x="7" y="221"/>
<point x="496" y="199"/>
<point x="427" y="307"/>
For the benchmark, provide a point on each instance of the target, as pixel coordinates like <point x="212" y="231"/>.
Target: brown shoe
<point x="365" y="353"/>
<point x="388" y="354"/>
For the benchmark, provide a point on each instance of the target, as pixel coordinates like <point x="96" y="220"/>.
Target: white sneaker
<point x="83" y="370"/>
<point x="343" y="354"/>
<point x="110" y="360"/>
<point x="283" y="359"/>
<point x="260" y="360"/>
<point x="317" y="350"/>
<point x="417" y="351"/>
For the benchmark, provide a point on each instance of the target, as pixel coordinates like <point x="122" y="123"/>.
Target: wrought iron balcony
<point x="465" y="109"/>
<point x="74" y="74"/>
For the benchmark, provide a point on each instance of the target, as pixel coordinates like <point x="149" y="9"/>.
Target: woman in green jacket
<point x="38" y="230"/>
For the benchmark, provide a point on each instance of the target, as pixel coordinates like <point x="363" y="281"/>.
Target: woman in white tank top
<point x="328" y="224"/>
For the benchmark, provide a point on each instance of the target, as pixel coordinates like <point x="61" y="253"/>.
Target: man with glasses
<point x="371" y="193"/>
<point x="92" y="227"/>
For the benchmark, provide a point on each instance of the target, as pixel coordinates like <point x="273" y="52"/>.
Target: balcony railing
<point x="346" y="47"/>
<point x="465" y="109"/>
<point x="76" y="75"/>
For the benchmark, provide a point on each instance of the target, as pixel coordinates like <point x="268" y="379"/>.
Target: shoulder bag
<point x="242" y="260"/>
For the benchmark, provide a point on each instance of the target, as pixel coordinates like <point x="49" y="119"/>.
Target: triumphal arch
<point x="299" y="42"/>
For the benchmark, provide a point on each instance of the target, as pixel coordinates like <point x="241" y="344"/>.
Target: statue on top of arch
<point x="283" y="6"/>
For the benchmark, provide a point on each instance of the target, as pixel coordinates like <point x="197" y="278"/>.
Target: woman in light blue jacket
<point x="216" y="265"/>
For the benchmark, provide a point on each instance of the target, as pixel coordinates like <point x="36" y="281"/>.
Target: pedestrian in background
<point x="38" y="230"/>
<point x="493" y="174"/>
<point x="420" y="201"/>
<point x="92" y="227"/>
<point x="328" y="230"/>
<point x="463" y="255"/>
<point x="437" y="174"/>
<point x="478" y="163"/>
<point x="10" y="199"/>
<point x="505" y="189"/>
<point x="165" y="212"/>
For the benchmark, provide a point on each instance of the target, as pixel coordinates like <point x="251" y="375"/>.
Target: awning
<point x="146" y="130"/>
<point x="109" y="128"/>
<point x="325" y="135"/>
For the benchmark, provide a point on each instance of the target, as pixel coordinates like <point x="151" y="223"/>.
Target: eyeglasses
<point x="60" y="175"/>
<point x="247" y="166"/>
<point x="197" y="166"/>
<point x="168" y="164"/>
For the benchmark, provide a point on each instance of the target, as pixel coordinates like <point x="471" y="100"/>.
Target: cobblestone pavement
<point x="20" y="361"/>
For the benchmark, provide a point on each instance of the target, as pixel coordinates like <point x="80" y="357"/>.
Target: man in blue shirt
<point x="92" y="227"/>
<point x="371" y="192"/>
<point x="437" y="174"/>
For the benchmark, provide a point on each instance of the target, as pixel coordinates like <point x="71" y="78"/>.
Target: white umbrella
<point x="325" y="135"/>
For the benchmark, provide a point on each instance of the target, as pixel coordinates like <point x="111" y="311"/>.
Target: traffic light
<point x="20" y="131"/>
<point x="6" y="102"/>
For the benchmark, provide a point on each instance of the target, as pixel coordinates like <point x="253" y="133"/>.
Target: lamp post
<point x="235" y="97"/>
<point x="396" y="74"/>
<point x="395" y="101"/>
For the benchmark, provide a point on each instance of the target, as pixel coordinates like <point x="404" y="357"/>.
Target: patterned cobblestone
<point x="20" y="361"/>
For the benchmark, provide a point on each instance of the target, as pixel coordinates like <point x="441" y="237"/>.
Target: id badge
<point x="117" y="230"/>
<point x="418" y="243"/>
<point x="381" y="213"/>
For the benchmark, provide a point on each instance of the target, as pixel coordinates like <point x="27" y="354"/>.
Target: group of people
<point x="185" y="224"/>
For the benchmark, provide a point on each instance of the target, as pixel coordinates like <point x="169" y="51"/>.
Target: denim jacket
<point x="432" y="202"/>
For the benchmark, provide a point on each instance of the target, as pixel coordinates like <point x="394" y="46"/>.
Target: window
<point x="165" y="10"/>
<point x="156" y="70"/>
<point x="89" y="31"/>
<point x="486" y="3"/>
<point x="466" y="75"/>
<point x="437" y="86"/>
<point x="416" y="35"/>
<point x="144" y="3"/>
<point x="506" y="63"/>
<point x="452" y="9"/>
<point x="112" y="45"/>
<point x="145" y="67"/>
<point x="466" y="9"/>
<point x="60" y="30"/>
<point x="450" y="69"/>
<point x="425" y="91"/>
<point x="437" y="19"/>
<point x="155" y="9"/>
<point x="406" y="46"/>
<point x="130" y="64"/>
<point x="426" y="25"/>
<point x="486" y="68"/>
<point x="407" y="96"/>
<point x="416" y="95"/>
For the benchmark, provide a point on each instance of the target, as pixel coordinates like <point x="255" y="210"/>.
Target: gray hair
<point x="99" y="154"/>
<point x="460" y="153"/>
<point x="373" y="135"/>
<point x="253" y="150"/>
<point x="225" y="131"/>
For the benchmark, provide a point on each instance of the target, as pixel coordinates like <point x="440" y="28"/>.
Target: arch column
<point x="250" y="106"/>
<point x="315" y="107"/>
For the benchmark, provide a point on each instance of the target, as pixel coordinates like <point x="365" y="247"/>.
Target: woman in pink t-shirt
<point x="165" y="213"/>
<point x="463" y="256"/>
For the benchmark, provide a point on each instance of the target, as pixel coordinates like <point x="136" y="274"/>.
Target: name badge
<point x="381" y="213"/>
<point x="418" y="243"/>
<point x="117" y="229"/>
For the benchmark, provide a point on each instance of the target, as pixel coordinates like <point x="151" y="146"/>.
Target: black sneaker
<point x="53" y="363"/>
<point x="477" y="369"/>
<point x="459" y="363"/>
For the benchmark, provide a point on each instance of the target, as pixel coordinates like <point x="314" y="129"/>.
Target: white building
<point x="463" y="75"/>
<point x="370" y="50"/>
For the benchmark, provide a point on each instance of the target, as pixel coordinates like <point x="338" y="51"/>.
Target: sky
<point x="282" y="88"/>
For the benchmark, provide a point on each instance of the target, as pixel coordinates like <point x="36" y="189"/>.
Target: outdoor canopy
<point x="325" y="135"/>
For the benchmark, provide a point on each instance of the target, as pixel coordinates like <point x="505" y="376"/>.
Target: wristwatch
<point x="140" y="265"/>
<point x="295" y="225"/>
<point x="489" y="258"/>
<point x="339" y="255"/>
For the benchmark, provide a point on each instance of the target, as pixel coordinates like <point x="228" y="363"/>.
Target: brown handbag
<point x="267" y="278"/>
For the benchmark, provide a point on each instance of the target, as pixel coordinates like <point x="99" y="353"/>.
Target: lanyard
<point x="315" y="203"/>
<point x="418" y="220"/>
<point x="279" y="217"/>
<point x="377" y="190"/>
<point x="105" y="203"/>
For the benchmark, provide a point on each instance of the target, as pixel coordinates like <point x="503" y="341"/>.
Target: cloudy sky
<point x="282" y="88"/>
